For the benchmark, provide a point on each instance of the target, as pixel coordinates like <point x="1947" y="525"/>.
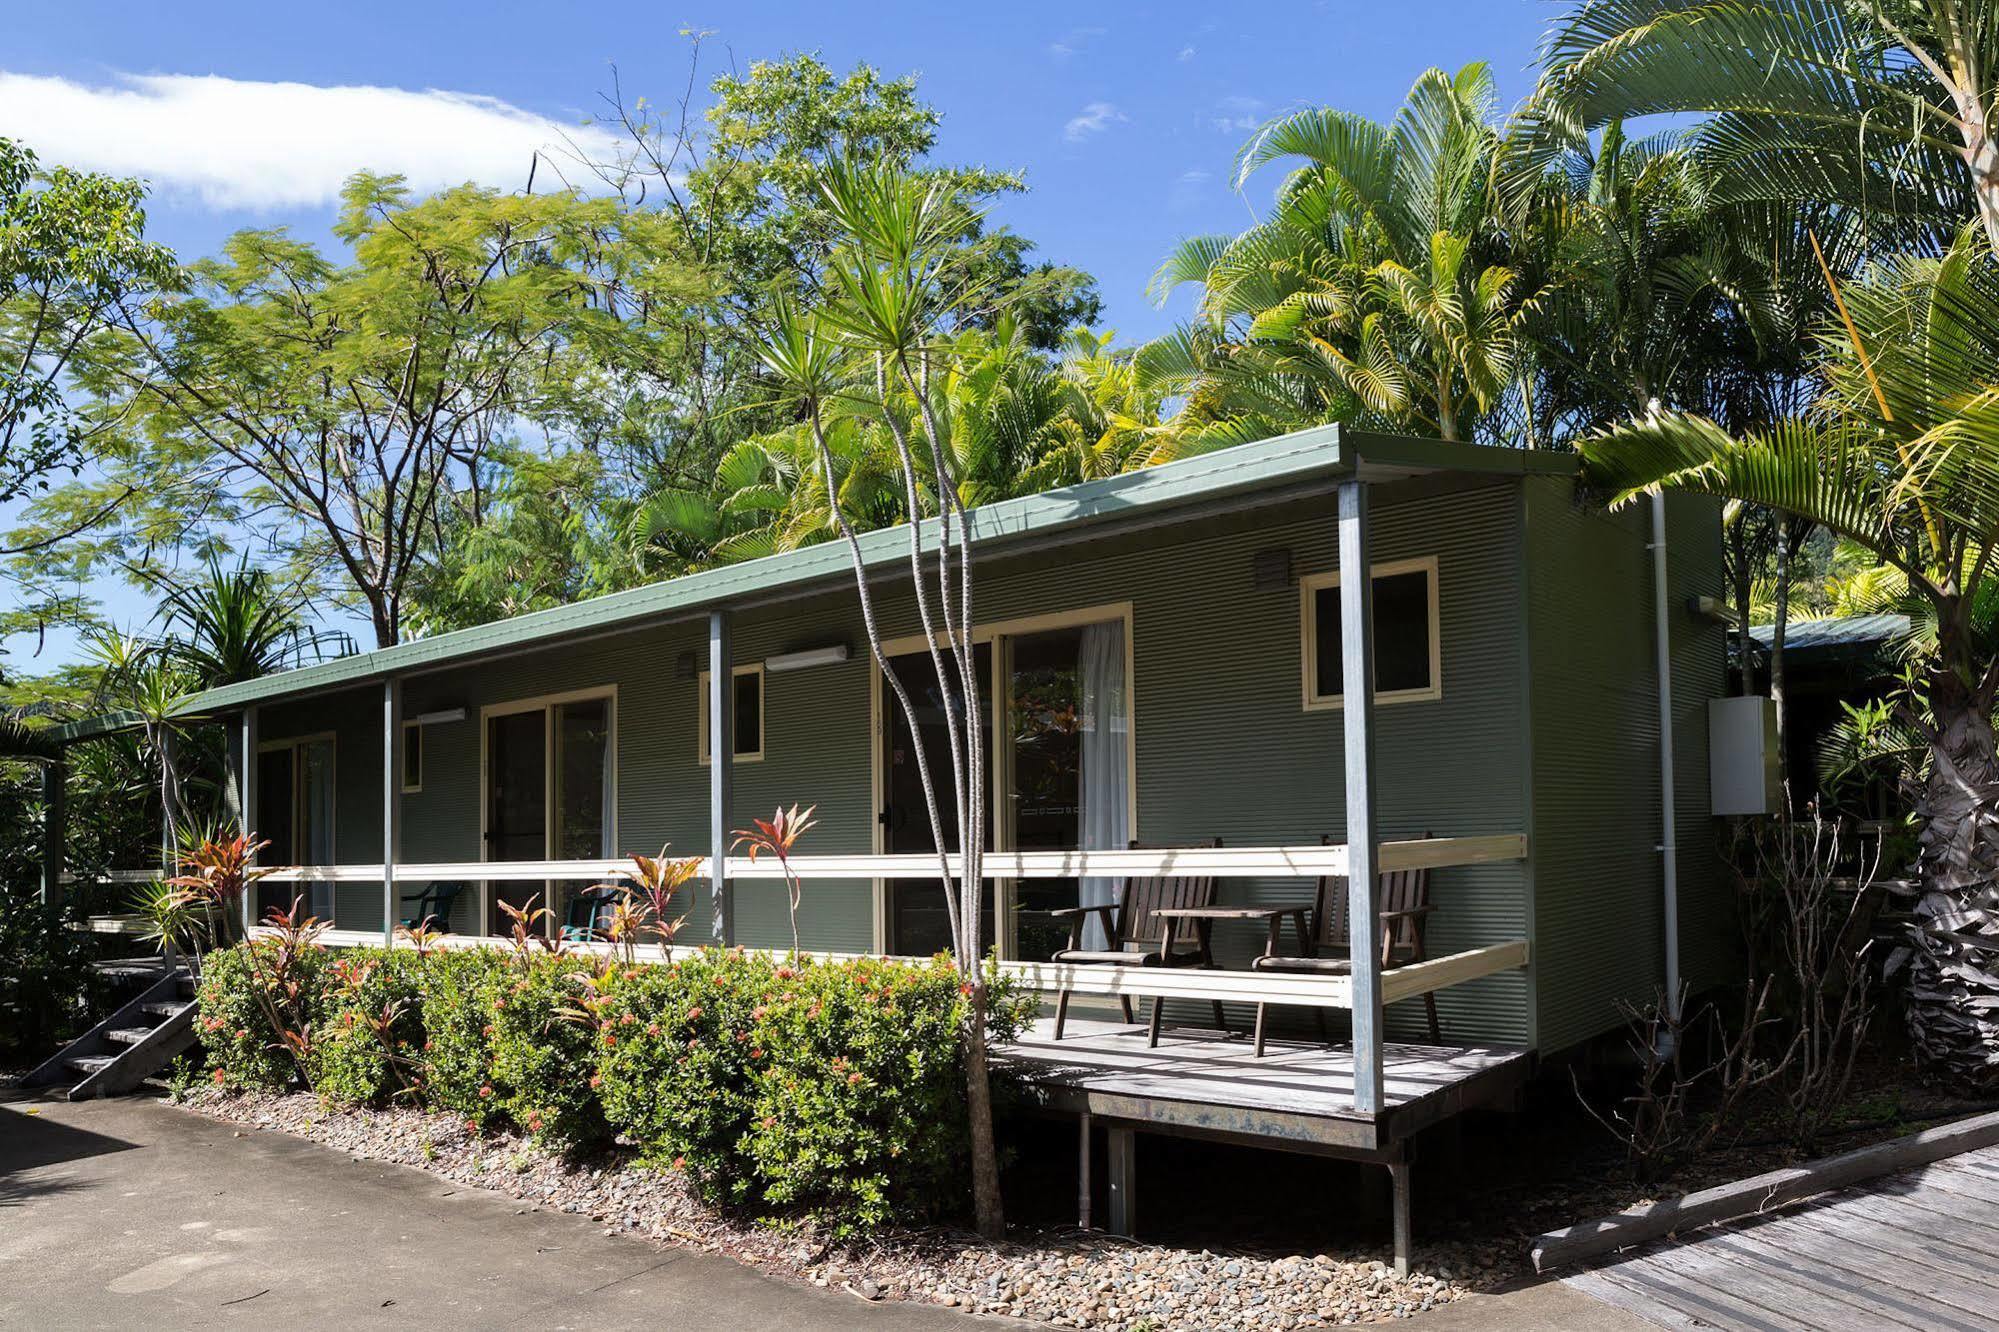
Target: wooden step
<point x="90" y="1064"/>
<point x="128" y="1035"/>
<point x="164" y="1010"/>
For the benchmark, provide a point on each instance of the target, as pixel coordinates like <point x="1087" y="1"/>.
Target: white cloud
<point x="1073" y="43"/>
<point x="245" y="144"/>
<point x="1094" y="118"/>
<point x="1238" y="114"/>
<point x="1187" y="189"/>
<point x="1186" y="54"/>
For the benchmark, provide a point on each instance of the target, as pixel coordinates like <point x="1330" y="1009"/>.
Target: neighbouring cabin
<point x="1162" y="664"/>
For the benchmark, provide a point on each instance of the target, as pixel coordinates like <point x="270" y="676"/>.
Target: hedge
<point x="786" y="1087"/>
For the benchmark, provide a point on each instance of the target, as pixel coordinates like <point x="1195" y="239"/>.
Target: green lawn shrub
<point x="243" y="989"/>
<point x="368" y="1046"/>
<point x="782" y="1087"/>
<point x="459" y="988"/>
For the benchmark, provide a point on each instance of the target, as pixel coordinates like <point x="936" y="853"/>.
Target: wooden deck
<point x="1913" y="1252"/>
<point x="1299" y="1097"/>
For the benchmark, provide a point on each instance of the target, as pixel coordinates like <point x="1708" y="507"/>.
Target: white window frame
<point x="411" y="730"/>
<point x="701" y="707"/>
<point x="1308" y="632"/>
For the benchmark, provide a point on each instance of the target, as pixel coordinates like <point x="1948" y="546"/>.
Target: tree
<point x="875" y="350"/>
<point x="740" y="184"/>
<point x="1377" y="291"/>
<point x="356" y="402"/>
<point x="73" y="254"/>
<point x="1883" y="106"/>
<point x="1897" y="458"/>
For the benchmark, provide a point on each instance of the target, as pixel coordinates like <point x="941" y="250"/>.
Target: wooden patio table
<point x="1204" y="919"/>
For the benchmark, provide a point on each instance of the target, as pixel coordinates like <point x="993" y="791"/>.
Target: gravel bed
<point x="1061" y="1278"/>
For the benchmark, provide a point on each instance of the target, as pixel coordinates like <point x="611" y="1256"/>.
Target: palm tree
<point x="1901" y="458"/>
<point x="1885" y="106"/>
<point x="1376" y="291"/>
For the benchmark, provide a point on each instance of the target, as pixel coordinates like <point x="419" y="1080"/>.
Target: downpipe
<point x="1669" y="856"/>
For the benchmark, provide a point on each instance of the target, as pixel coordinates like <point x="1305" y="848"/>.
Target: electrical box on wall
<point x="1743" y="775"/>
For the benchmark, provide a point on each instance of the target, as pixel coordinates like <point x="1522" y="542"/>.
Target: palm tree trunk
<point x="1953" y="1008"/>
<point x="1777" y="680"/>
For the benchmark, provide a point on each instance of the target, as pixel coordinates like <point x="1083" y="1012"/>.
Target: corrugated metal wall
<point x="1224" y="746"/>
<point x="1597" y="878"/>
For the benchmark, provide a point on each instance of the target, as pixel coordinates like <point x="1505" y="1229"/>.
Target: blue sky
<point x="1124" y="117"/>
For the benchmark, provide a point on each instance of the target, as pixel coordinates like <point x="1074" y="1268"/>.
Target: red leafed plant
<point x="645" y="905"/>
<point x="777" y="835"/>
<point x="213" y="875"/>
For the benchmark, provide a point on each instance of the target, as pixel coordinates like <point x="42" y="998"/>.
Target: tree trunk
<point x="987" y="1208"/>
<point x="1953" y="1007"/>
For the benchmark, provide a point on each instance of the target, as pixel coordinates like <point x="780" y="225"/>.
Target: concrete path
<point x="132" y="1214"/>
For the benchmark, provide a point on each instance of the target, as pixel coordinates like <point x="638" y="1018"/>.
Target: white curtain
<point x="316" y="759"/>
<point x="1106" y="734"/>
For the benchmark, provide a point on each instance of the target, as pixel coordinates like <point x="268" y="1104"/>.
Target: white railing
<point x="1257" y="862"/>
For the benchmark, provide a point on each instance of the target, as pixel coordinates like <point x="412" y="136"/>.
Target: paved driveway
<point x="131" y="1214"/>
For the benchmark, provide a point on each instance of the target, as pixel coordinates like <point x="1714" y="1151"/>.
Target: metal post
<point x="1123" y="1161"/>
<point x="1398" y="1175"/>
<point x="55" y="819"/>
<point x="392" y="802"/>
<point x="1083" y="1127"/>
<point x="721" y="774"/>
<point x="1363" y="833"/>
<point x="246" y="804"/>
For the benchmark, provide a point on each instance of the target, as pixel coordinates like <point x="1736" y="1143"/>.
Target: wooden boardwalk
<point x="1298" y="1096"/>
<point x="1917" y="1251"/>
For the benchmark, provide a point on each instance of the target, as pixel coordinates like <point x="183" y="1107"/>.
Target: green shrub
<point x="459" y="987"/>
<point x="368" y="1045"/>
<point x="48" y="991"/>
<point x="678" y="1073"/>
<point x="835" y="1089"/>
<point x="245" y="1051"/>
<point x="543" y="1052"/>
<point x="860" y="1106"/>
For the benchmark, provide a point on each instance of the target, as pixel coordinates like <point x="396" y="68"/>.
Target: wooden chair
<point x="1139" y="938"/>
<point x="433" y="904"/>
<point x="1405" y="909"/>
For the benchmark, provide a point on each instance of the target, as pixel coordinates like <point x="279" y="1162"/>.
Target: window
<point x="412" y="756"/>
<point x="748" y="718"/>
<point x="1407" y="657"/>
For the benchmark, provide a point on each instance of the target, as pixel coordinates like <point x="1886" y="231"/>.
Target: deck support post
<point x="55" y="820"/>
<point x="1122" y="1156"/>
<point x="1363" y="834"/>
<point x="392" y="802"/>
<point x="246" y="802"/>
<point x="721" y="775"/>
<point x="1083" y="1128"/>
<point x="1398" y="1176"/>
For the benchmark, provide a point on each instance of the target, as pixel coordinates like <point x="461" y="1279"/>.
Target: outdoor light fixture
<point x="798" y="661"/>
<point x="441" y="715"/>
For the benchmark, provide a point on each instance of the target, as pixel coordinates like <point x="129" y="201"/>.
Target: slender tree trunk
<point x="1953" y="1006"/>
<point x="988" y="1211"/>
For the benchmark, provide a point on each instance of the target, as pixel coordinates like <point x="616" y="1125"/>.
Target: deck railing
<point x="1227" y="986"/>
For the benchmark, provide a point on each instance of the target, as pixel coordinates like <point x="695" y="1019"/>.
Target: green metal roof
<point x="1321" y="453"/>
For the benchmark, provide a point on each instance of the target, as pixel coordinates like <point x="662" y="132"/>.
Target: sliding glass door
<point x="548" y="795"/>
<point x="1060" y="778"/>
<point x="917" y="919"/>
<point x="295" y="797"/>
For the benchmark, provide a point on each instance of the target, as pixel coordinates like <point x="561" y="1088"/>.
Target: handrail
<point x="1214" y="862"/>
